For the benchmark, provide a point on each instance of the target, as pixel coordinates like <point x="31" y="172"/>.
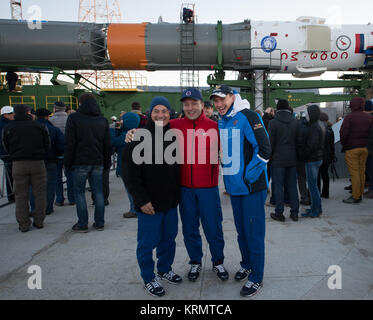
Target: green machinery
<point x="113" y="102"/>
<point x="354" y="85"/>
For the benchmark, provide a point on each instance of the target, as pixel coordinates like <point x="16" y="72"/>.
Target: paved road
<point x="102" y="265"/>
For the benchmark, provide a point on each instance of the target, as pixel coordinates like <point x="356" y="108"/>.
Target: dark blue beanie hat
<point x="160" y="100"/>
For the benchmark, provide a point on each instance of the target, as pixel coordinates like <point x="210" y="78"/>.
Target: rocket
<point x="305" y="47"/>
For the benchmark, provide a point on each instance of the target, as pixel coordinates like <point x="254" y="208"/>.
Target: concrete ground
<point x="102" y="264"/>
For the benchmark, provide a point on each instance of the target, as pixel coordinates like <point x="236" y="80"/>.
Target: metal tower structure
<point x="99" y="11"/>
<point x="107" y="11"/>
<point x="16" y="14"/>
<point x="189" y="76"/>
<point x="16" y="9"/>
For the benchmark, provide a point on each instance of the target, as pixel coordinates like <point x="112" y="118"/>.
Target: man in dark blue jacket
<point x="7" y="115"/>
<point x="282" y="132"/>
<point x="244" y="137"/>
<point x="51" y="158"/>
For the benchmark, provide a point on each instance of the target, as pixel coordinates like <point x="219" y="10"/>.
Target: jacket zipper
<point x="191" y="155"/>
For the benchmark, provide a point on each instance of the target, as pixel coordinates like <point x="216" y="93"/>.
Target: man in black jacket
<point x="27" y="143"/>
<point x="282" y="132"/>
<point x="87" y="151"/>
<point x="328" y="158"/>
<point x="155" y="188"/>
<point x="313" y="151"/>
<point x="303" y="127"/>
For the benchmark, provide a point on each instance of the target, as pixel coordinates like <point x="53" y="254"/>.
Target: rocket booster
<point x="304" y="47"/>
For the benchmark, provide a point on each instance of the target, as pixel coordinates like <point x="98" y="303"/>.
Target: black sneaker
<point x="221" y="272"/>
<point x="36" y="226"/>
<point x="170" y="276"/>
<point x="59" y="204"/>
<point x="352" y="200"/>
<point x="242" y="274"/>
<point x="305" y="202"/>
<point x="80" y="229"/>
<point x="294" y="217"/>
<point x="99" y="228"/>
<point x="129" y="214"/>
<point x="278" y="217"/>
<point x="23" y="229"/>
<point x="250" y="289"/>
<point x="195" y="269"/>
<point x="154" y="288"/>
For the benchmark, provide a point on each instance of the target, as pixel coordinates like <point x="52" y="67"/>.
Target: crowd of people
<point x="310" y="142"/>
<point x="291" y="153"/>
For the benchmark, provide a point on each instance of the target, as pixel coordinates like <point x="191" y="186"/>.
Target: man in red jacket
<point x="199" y="198"/>
<point x="354" y="134"/>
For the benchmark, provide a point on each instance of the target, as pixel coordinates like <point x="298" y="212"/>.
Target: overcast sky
<point x="209" y="11"/>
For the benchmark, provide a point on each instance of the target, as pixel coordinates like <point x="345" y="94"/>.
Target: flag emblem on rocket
<point x="360" y="41"/>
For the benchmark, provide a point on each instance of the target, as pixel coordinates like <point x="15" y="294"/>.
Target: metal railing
<point x="29" y="100"/>
<point x="67" y="100"/>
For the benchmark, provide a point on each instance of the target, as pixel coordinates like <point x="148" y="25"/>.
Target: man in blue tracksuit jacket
<point x="246" y="152"/>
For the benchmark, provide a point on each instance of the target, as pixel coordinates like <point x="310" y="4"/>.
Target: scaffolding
<point x="16" y="9"/>
<point x="107" y="11"/>
<point x="189" y="76"/>
<point x="100" y="11"/>
<point x="24" y="78"/>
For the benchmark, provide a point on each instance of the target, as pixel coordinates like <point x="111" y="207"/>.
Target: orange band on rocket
<point x="126" y="46"/>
